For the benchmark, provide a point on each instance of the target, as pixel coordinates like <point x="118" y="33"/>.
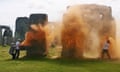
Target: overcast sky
<point x="10" y="9"/>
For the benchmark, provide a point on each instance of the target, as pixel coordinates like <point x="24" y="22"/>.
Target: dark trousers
<point x="13" y="56"/>
<point x="17" y="53"/>
<point x="107" y="53"/>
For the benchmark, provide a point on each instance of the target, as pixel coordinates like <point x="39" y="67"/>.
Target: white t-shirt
<point x="17" y="45"/>
<point x="106" y="46"/>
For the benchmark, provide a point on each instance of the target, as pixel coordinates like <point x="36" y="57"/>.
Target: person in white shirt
<point x="17" y="53"/>
<point x="105" y="49"/>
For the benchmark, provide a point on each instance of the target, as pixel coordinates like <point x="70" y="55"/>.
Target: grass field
<point x="54" y="65"/>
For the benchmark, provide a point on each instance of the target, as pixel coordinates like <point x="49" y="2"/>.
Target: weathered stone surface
<point x="85" y="29"/>
<point x="35" y="38"/>
<point x="21" y="27"/>
<point x="7" y="33"/>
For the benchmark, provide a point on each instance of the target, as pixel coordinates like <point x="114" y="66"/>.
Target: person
<point x="17" y="52"/>
<point x="105" y="49"/>
<point x="12" y="50"/>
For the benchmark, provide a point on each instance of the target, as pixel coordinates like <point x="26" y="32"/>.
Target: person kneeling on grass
<point x="105" y="49"/>
<point x="12" y="50"/>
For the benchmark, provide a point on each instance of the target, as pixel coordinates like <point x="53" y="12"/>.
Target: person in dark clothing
<point x="12" y="50"/>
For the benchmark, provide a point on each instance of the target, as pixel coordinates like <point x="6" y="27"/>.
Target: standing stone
<point x="35" y="39"/>
<point x="21" y="27"/>
<point x="0" y="35"/>
<point x="85" y="28"/>
<point x="6" y="36"/>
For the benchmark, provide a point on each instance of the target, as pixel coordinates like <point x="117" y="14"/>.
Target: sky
<point x="11" y="9"/>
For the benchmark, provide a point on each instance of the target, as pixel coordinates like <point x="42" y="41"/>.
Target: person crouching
<point x="12" y="50"/>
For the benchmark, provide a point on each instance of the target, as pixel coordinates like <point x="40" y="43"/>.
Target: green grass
<point x="54" y="65"/>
